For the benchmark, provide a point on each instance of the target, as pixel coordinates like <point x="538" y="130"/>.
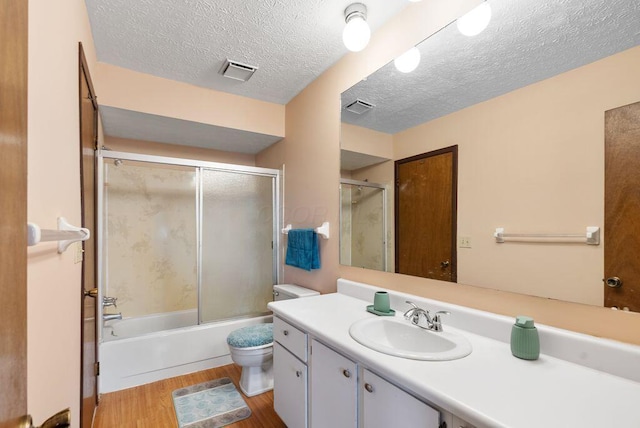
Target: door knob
<point x="61" y="419"/>
<point x="91" y="293"/>
<point x="614" y="282"/>
<point x="444" y="264"/>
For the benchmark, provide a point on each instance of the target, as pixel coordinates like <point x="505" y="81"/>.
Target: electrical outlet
<point x="78" y="254"/>
<point x="465" y="242"/>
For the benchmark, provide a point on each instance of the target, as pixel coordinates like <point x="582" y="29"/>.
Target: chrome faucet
<point x="110" y="317"/>
<point x="415" y="314"/>
<point x="109" y="301"/>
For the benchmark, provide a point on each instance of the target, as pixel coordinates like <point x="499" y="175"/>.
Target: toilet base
<point x="257" y="379"/>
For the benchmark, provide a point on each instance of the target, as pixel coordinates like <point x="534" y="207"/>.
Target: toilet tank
<point x="291" y="291"/>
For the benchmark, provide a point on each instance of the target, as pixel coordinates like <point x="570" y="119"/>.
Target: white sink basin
<point x="398" y="337"/>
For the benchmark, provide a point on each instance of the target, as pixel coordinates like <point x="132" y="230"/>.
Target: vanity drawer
<point x="291" y="338"/>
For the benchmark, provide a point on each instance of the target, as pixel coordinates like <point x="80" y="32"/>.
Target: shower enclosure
<point x="363" y="224"/>
<point x="183" y="242"/>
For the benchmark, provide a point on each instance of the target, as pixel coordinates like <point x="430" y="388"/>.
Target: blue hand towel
<point x="302" y="249"/>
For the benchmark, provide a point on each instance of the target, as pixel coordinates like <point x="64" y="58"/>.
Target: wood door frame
<point x="84" y="76"/>
<point x="454" y="203"/>
<point x="13" y="206"/>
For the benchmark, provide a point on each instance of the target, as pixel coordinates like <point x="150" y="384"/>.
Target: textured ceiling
<point x="526" y="41"/>
<point x="141" y="126"/>
<point x="291" y="42"/>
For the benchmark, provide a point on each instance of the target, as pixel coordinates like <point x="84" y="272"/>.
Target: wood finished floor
<point x="151" y="405"/>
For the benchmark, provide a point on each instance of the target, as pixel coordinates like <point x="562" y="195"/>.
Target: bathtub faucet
<point x="109" y="317"/>
<point x="109" y="301"/>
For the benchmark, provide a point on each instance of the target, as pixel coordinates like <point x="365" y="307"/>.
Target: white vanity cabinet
<point x="327" y="389"/>
<point x="386" y="405"/>
<point x="333" y="388"/>
<point x="290" y="384"/>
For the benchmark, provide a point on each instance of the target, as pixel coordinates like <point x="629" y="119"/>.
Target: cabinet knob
<point x="298" y="373"/>
<point x="286" y="332"/>
<point x="368" y="387"/>
<point x="346" y="373"/>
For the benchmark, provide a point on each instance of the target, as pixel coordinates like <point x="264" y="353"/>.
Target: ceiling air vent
<point x="237" y="71"/>
<point x="359" y="107"/>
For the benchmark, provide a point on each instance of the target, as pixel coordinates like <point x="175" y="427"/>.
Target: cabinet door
<point x="289" y="387"/>
<point x="333" y="389"/>
<point x="385" y="405"/>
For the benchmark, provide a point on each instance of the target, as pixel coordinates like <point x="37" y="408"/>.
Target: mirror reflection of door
<point x="88" y="142"/>
<point x="622" y="208"/>
<point x="425" y="210"/>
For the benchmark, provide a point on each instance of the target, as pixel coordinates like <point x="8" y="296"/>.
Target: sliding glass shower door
<point x="185" y="242"/>
<point x="150" y="231"/>
<point x="237" y="250"/>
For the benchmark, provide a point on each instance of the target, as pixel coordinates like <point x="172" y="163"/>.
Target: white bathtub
<point x="138" y="353"/>
<point x="134" y="327"/>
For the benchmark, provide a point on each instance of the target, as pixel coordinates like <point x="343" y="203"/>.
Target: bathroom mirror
<point x="525" y="103"/>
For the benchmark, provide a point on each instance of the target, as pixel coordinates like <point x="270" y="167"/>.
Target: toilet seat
<point x="252" y="337"/>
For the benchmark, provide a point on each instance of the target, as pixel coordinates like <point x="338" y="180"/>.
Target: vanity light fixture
<point x="475" y="21"/>
<point x="356" y="33"/>
<point x="408" y="61"/>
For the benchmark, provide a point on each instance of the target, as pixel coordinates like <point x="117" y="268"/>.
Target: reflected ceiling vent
<point x="237" y="71"/>
<point x="359" y="107"/>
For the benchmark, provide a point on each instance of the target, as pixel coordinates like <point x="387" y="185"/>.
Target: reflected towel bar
<point x="591" y="237"/>
<point x="320" y="230"/>
<point x="65" y="235"/>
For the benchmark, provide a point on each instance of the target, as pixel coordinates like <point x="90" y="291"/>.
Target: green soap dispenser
<point x="525" y="342"/>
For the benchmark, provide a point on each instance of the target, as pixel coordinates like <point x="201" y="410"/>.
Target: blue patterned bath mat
<point x="212" y="404"/>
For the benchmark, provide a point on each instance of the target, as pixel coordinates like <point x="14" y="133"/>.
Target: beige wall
<point x="532" y="161"/>
<point x="363" y="140"/>
<point x="177" y="151"/>
<point x="53" y="284"/>
<point x="131" y="90"/>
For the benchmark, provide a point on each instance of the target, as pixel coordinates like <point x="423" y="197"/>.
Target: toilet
<point x="252" y="347"/>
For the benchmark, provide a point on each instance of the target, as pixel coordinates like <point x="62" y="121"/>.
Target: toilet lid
<point x="254" y="335"/>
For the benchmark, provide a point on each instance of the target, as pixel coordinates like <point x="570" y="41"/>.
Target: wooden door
<point x="13" y="208"/>
<point x="622" y="207"/>
<point x="88" y="145"/>
<point x="425" y="210"/>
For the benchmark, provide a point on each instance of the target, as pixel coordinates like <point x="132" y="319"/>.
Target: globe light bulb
<point x="408" y="61"/>
<point x="356" y="33"/>
<point x="475" y="21"/>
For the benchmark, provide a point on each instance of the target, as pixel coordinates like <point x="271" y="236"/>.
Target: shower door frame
<point x="351" y="182"/>
<point x="198" y="165"/>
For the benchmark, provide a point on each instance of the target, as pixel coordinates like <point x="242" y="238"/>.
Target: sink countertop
<point x="488" y="388"/>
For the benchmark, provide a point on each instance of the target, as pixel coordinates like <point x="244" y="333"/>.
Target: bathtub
<point x="137" y="353"/>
